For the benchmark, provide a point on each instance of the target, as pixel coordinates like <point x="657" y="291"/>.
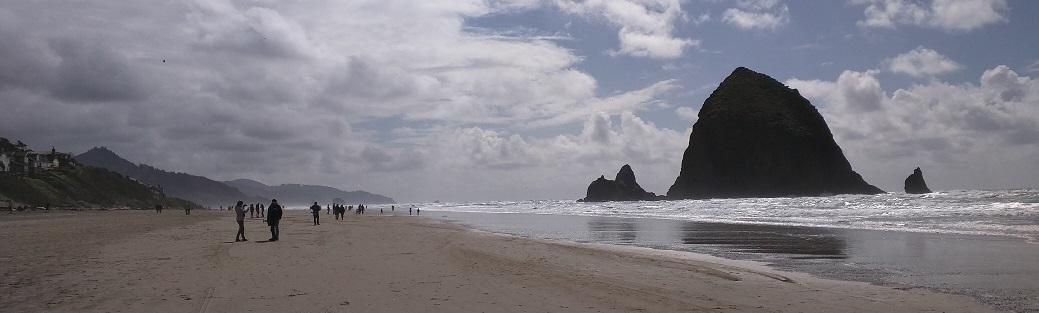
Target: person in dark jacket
<point x="316" y="210"/>
<point x="273" y="217"/>
<point x="239" y="212"/>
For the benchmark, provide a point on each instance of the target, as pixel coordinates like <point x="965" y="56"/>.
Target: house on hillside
<point x="5" y="162"/>
<point x="19" y="159"/>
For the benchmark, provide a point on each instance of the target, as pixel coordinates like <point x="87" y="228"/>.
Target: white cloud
<point x="687" y="114"/>
<point x="646" y="26"/>
<point x="570" y="161"/>
<point x="311" y="92"/>
<point x="1032" y="68"/>
<point x="921" y="62"/>
<point x="758" y="15"/>
<point x="949" y="15"/>
<point x="952" y="129"/>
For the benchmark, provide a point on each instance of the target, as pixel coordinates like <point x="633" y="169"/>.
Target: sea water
<point x="980" y="243"/>
<point x="981" y="212"/>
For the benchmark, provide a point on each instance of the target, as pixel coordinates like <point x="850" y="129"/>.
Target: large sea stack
<point x="622" y="188"/>
<point x="915" y="182"/>
<point x="757" y="138"/>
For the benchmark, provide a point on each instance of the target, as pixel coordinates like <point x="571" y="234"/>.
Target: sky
<point x="480" y="100"/>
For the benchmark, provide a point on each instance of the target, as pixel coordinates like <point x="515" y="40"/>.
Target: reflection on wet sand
<point x="613" y="230"/>
<point x="802" y="241"/>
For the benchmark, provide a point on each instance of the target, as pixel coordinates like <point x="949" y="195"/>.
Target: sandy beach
<point x="139" y="261"/>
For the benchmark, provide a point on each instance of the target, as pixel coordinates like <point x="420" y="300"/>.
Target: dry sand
<point x="137" y="261"/>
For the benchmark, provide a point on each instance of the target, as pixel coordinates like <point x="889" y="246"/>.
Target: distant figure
<point x="273" y="217"/>
<point x="409" y="211"/>
<point x="328" y="209"/>
<point x="187" y="210"/>
<point x="239" y="216"/>
<point x="380" y="210"/>
<point x="316" y="210"/>
<point x="252" y="211"/>
<point x="418" y="211"/>
<point x="261" y="209"/>
<point x="158" y="208"/>
<point x="391" y="208"/>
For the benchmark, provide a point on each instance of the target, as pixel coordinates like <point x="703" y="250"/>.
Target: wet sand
<point x="996" y="270"/>
<point x="135" y="261"/>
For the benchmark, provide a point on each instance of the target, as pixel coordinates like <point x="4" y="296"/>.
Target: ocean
<point x="979" y="243"/>
<point x="981" y="212"/>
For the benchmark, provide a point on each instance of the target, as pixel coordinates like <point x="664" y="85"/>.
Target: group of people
<point x="273" y="214"/>
<point x="339" y="210"/>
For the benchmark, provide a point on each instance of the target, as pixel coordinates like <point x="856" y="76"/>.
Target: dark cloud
<point x="89" y="72"/>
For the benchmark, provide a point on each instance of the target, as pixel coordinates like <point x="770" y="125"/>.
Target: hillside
<point x="195" y="188"/>
<point x="80" y="186"/>
<point x="297" y="194"/>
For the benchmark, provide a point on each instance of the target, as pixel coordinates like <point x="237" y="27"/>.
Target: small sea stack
<point x="915" y="183"/>
<point x="622" y="188"/>
<point x="755" y="137"/>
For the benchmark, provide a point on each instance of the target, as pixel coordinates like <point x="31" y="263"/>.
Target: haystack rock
<point x="915" y="182"/>
<point x="757" y="138"/>
<point x="622" y="188"/>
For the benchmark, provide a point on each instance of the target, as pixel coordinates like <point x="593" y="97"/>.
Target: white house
<point x="5" y="163"/>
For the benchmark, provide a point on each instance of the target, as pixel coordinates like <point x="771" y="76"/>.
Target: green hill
<point x="83" y="186"/>
<point x="76" y="185"/>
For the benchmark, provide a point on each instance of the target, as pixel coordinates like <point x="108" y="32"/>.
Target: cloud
<point x="646" y="26"/>
<point x="1032" y="68"/>
<point x="921" y="62"/>
<point x="948" y="15"/>
<point x="758" y="15"/>
<point x="571" y="161"/>
<point x="952" y="128"/>
<point x="327" y="92"/>
<point x="687" y="114"/>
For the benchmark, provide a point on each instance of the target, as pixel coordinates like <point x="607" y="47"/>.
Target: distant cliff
<point x="622" y="188"/>
<point x="296" y="194"/>
<point x="757" y="138"/>
<point x="195" y="188"/>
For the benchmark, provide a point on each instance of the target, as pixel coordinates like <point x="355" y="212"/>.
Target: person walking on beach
<point x="261" y="209"/>
<point x="239" y="212"/>
<point x="273" y="217"/>
<point x="316" y="210"/>
<point x="187" y="210"/>
<point x="158" y="208"/>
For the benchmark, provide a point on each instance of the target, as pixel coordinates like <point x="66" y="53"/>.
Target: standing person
<point x="418" y="211"/>
<point x="392" y="207"/>
<point x="273" y="217"/>
<point x="187" y="210"/>
<point x="158" y="208"/>
<point x="252" y="211"/>
<point x="328" y="209"/>
<point x="261" y="209"/>
<point x="239" y="216"/>
<point x="409" y="211"/>
<point x="316" y="210"/>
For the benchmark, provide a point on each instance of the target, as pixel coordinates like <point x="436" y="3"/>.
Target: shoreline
<point x="384" y="263"/>
<point x="992" y="269"/>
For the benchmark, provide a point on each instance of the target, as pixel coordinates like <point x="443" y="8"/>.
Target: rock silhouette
<point x="755" y="137"/>
<point x="915" y="182"/>
<point x="622" y="188"/>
